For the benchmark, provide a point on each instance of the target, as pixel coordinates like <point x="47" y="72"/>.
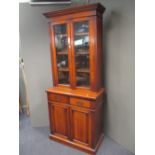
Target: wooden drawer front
<point x="81" y="102"/>
<point x="58" y="98"/>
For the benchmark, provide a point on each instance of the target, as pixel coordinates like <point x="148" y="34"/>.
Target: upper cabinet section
<point x="76" y="46"/>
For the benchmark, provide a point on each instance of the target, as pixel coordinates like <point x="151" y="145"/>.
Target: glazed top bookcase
<point x="76" y="47"/>
<point x="76" y="99"/>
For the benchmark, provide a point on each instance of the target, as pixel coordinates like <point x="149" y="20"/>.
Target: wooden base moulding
<point x="76" y="145"/>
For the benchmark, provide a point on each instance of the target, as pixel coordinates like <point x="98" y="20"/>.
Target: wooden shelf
<point x="82" y="53"/>
<point x="63" y="52"/>
<point x="83" y="70"/>
<point x="79" y="78"/>
<point x="63" y="69"/>
<point x="63" y="35"/>
<point x="81" y="34"/>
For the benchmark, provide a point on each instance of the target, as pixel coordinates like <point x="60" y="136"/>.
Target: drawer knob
<point x="79" y="103"/>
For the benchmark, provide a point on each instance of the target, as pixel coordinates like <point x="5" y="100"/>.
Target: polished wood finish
<point x="82" y="9"/>
<point x="75" y="112"/>
<point x="87" y="94"/>
<point x="81" y="102"/>
<point x="60" y="123"/>
<point x="81" y="125"/>
<point x="58" y="98"/>
<point x="76" y="120"/>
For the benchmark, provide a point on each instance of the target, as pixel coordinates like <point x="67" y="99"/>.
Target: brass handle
<point x="79" y="103"/>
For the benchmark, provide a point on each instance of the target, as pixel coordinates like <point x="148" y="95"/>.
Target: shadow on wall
<point x="111" y="21"/>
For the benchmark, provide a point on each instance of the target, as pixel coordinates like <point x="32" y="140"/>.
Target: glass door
<point x="61" y="48"/>
<point x="81" y="53"/>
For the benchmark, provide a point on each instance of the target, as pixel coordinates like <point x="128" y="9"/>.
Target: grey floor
<point x="35" y="141"/>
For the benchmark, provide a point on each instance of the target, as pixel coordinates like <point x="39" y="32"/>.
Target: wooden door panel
<point x="80" y="125"/>
<point x="60" y="121"/>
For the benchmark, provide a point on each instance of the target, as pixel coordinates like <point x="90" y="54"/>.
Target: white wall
<point x="118" y="40"/>
<point x="35" y="52"/>
<point x="119" y="116"/>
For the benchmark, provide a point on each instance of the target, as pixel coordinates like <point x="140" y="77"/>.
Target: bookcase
<point x="75" y="101"/>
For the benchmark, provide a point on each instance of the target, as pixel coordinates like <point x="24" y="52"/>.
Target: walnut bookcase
<point x="75" y="101"/>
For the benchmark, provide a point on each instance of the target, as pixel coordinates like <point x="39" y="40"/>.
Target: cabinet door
<point x="81" y="47"/>
<point x="60" y="52"/>
<point x="60" y="120"/>
<point x="80" y="125"/>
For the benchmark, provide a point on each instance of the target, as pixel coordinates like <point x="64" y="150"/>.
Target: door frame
<point x="91" y="49"/>
<point x="54" y="54"/>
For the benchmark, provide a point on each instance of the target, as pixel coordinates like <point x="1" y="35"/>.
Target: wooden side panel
<point x="96" y="53"/>
<point x="99" y="52"/>
<point x="97" y="116"/>
<point x="93" y="51"/>
<point x="60" y="120"/>
<point x="80" y="125"/>
<point x="97" y="124"/>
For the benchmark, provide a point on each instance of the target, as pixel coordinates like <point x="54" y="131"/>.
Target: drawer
<point x="58" y="98"/>
<point x="81" y="102"/>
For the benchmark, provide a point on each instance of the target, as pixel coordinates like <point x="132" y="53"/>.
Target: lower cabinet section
<point x="76" y="126"/>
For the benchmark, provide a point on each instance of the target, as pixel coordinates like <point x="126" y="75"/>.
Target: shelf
<point x="79" y="78"/>
<point x="63" y="52"/>
<point x="63" y="69"/>
<point x="62" y="35"/>
<point x="81" y="34"/>
<point x="83" y="70"/>
<point x="82" y="53"/>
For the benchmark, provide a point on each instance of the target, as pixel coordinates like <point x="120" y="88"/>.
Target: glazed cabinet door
<point x="82" y="44"/>
<point x="59" y="119"/>
<point x="80" y="125"/>
<point x="60" y="52"/>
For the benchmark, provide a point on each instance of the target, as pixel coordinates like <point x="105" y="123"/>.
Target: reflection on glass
<point x="61" y="38"/>
<point x="63" y="77"/>
<point x="62" y="53"/>
<point x="81" y="44"/>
